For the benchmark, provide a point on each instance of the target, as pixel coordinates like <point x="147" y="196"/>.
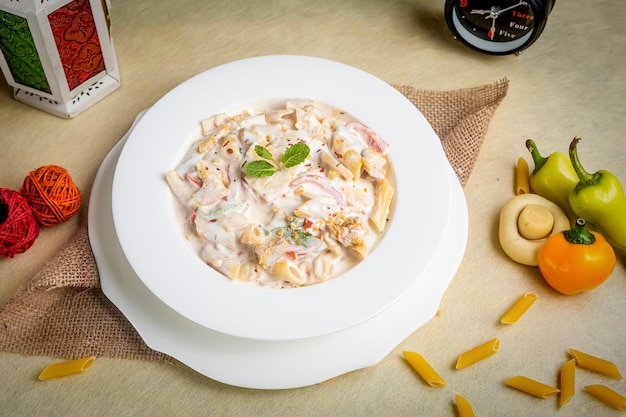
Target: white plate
<point x="256" y="363"/>
<point x="153" y="242"/>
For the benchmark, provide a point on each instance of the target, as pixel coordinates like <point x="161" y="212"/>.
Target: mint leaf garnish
<point x="295" y="155"/>
<point x="260" y="169"/>
<point x="266" y="167"/>
<point x="262" y="152"/>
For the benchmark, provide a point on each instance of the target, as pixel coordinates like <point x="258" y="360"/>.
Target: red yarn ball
<point x="18" y="227"/>
<point x="52" y="194"/>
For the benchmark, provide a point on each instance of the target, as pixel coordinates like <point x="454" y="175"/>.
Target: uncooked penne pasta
<point x="426" y="371"/>
<point x="607" y="396"/>
<point x="593" y="363"/>
<point x="463" y="406"/>
<point x="478" y="353"/>
<point x="518" y="309"/>
<point x="567" y="382"/>
<point x="522" y="180"/>
<point x="530" y="386"/>
<point x="66" y="368"/>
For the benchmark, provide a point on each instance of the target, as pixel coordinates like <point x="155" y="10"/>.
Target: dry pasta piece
<point x="66" y="368"/>
<point x="518" y="309"/>
<point x="593" y="363"/>
<point x="463" y="406"/>
<point x="478" y="353"/>
<point x="567" y="382"/>
<point x="522" y="177"/>
<point x="607" y="396"/>
<point x="426" y="371"/>
<point x="532" y="387"/>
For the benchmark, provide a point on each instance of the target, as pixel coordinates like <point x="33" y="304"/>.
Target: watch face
<point x="497" y="26"/>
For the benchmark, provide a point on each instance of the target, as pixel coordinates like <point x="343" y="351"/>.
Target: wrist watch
<point x="497" y="27"/>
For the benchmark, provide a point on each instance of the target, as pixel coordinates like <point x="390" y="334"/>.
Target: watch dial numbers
<point x="497" y="21"/>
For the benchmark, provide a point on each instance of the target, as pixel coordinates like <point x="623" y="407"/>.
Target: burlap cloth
<point x="63" y="313"/>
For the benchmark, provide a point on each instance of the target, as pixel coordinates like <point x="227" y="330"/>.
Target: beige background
<point x="569" y="83"/>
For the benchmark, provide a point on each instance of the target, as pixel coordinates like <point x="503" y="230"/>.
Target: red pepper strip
<point x="373" y="140"/>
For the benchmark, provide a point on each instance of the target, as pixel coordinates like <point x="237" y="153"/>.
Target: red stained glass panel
<point x="77" y="41"/>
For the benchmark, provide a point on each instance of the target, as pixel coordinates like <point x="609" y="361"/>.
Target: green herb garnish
<point x="295" y="231"/>
<point x="302" y="238"/>
<point x="294" y="155"/>
<point x="260" y="169"/>
<point x="263" y="152"/>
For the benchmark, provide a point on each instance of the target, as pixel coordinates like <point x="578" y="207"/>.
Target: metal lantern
<point x="58" y="55"/>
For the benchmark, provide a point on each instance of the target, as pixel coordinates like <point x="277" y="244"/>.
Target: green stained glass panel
<point x="18" y="47"/>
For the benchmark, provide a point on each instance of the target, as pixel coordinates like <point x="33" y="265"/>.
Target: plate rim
<point x="300" y="312"/>
<point x="195" y="346"/>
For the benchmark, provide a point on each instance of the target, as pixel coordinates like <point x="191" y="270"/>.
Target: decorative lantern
<point x="58" y="55"/>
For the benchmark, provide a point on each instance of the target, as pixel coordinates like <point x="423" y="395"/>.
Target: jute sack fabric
<point x="63" y="313"/>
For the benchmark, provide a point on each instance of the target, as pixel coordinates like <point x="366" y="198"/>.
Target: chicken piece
<point x="268" y="253"/>
<point x="374" y="163"/>
<point x="213" y="189"/>
<point x="349" y="231"/>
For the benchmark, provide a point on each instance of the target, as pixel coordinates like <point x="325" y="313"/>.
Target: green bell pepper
<point x="599" y="199"/>
<point x="553" y="178"/>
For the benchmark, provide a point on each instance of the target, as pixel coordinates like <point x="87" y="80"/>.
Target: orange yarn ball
<point x="51" y="194"/>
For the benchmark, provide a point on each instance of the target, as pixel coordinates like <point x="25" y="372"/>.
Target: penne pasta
<point x="463" y="406"/>
<point x="214" y="135"/>
<point x="332" y="163"/>
<point x="567" y="382"/>
<point x="518" y="309"/>
<point x="229" y="149"/>
<point x="380" y="211"/>
<point x="522" y="177"/>
<point x="323" y="266"/>
<point x="353" y="161"/>
<point x="66" y="368"/>
<point x="426" y="371"/>
<point x="289" y="272"/>
<point x="530" y="386"/>
<point x="478" y="353"/>
<point x="593" y="363"/>
<point x="607" y="396"/>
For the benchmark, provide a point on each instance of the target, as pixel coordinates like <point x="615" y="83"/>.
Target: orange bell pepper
<point x="576" y="260"/>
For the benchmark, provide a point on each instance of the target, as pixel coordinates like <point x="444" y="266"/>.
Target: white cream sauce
<point x="300" y="226"/>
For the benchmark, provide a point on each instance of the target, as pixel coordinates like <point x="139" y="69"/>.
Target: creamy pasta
<point x="284" y="197"/>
